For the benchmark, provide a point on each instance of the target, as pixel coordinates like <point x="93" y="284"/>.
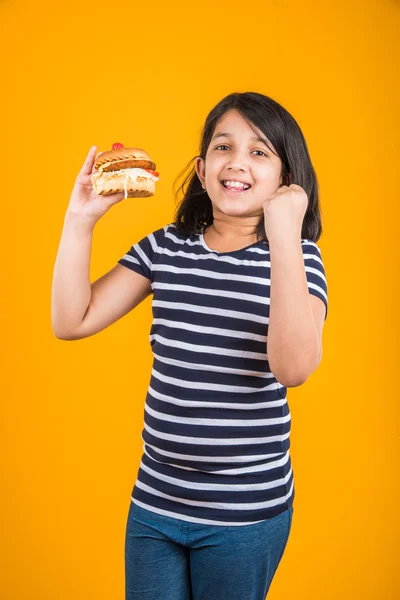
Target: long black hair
<point x="194" y="210"/>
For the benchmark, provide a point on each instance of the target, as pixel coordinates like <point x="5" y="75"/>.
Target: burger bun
<point x="124" y="170"/>
<point x="126" y="180"/>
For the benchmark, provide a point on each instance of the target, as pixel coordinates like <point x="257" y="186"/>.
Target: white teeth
<point x="236" y="184"/>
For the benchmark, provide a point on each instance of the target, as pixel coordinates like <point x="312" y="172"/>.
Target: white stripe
<point x="217" y="505"/>
<point x="131" y="259"/>
<point x="142" y="255"/>
<point x="212" y="459"/>
<point x="217" y="487"/>
<point x="234" y="405"/>
<point x="183" y="439"/>
<point x="212" y="310"/>
<point x="316" y="272"/>
<point x="314" y="286"/>
<point x="225" y="258"/>
<point x="247" y="335"/>
<point x="211" y="274"/>
<point x="239" y="471"/>
<point x="208" y="349"/>
<point x="221" y="293"/>
<point x="216" y="422"/>
<point x="215" y="387"/>
<point x="312" y="257"/>
<point x="211" y="368"/>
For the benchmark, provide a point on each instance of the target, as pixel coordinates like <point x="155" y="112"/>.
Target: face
<point x="239" y="156"/>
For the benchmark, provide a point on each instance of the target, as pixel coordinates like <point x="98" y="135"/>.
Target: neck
<point x="244" y="230"/>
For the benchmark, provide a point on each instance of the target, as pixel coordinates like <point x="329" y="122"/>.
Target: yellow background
<point x="78" y="74"/>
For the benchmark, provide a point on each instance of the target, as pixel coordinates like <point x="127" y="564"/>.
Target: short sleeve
<point x="315" y="271"/>
<point x="141" y="255"/>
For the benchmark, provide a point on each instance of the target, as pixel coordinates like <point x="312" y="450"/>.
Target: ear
<point x="200" y="169"/>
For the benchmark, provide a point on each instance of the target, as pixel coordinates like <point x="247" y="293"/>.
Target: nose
<point x="236" y="164"/>
<point x="237" y="161"/>
<point x="236" y="167"/>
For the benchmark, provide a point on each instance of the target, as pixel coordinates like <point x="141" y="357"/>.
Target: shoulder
<point x="156" y="238"/>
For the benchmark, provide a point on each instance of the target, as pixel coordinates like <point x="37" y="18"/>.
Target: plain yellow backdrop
<point x="147" y="74"/>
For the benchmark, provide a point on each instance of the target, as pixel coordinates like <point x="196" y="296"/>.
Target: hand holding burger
<point x="97" y="189"/>
<point x="128" y="170"/>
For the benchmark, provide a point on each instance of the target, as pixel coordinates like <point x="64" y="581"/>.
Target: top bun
<point x="124" y="158"/>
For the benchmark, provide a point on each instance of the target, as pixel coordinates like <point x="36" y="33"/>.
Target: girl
<point x="239" y="302"/>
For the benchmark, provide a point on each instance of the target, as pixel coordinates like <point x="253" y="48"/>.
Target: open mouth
<point x="235" y="188"/>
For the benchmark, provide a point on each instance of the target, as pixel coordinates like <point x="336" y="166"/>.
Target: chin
<point x="237" y="208"/>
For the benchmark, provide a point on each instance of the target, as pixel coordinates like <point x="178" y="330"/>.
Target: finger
<point x="117" y="197"/>
<point x="87" y="165"/>
<point x="111" y="199"/>
<point x="94" y="162"/>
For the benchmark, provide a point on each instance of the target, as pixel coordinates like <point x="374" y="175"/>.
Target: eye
<point x="224" y="146"/>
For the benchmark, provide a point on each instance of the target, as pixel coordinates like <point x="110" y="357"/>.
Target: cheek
<point x="267" y="182"/>
<point x="269" y="173"/>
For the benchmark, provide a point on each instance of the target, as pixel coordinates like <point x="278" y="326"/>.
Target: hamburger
<point x="128" y="170"/>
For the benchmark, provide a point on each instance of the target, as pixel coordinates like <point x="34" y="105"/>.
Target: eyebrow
<point x="253" y="139"/>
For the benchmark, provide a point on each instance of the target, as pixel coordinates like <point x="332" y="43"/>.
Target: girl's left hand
<point x="284" y="213"/>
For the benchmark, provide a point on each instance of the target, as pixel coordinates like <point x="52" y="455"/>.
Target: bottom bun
<point x="104" y="184"/>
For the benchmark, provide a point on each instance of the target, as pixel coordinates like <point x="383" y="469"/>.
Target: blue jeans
<point x="177" y="560"/>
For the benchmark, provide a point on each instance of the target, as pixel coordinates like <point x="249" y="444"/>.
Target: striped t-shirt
<point x="216" y="420"/>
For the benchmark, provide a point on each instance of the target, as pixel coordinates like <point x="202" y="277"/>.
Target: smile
<point x="237" y="189"/>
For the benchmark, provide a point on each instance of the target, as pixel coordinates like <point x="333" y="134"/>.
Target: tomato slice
<point x="152" y="172"/>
